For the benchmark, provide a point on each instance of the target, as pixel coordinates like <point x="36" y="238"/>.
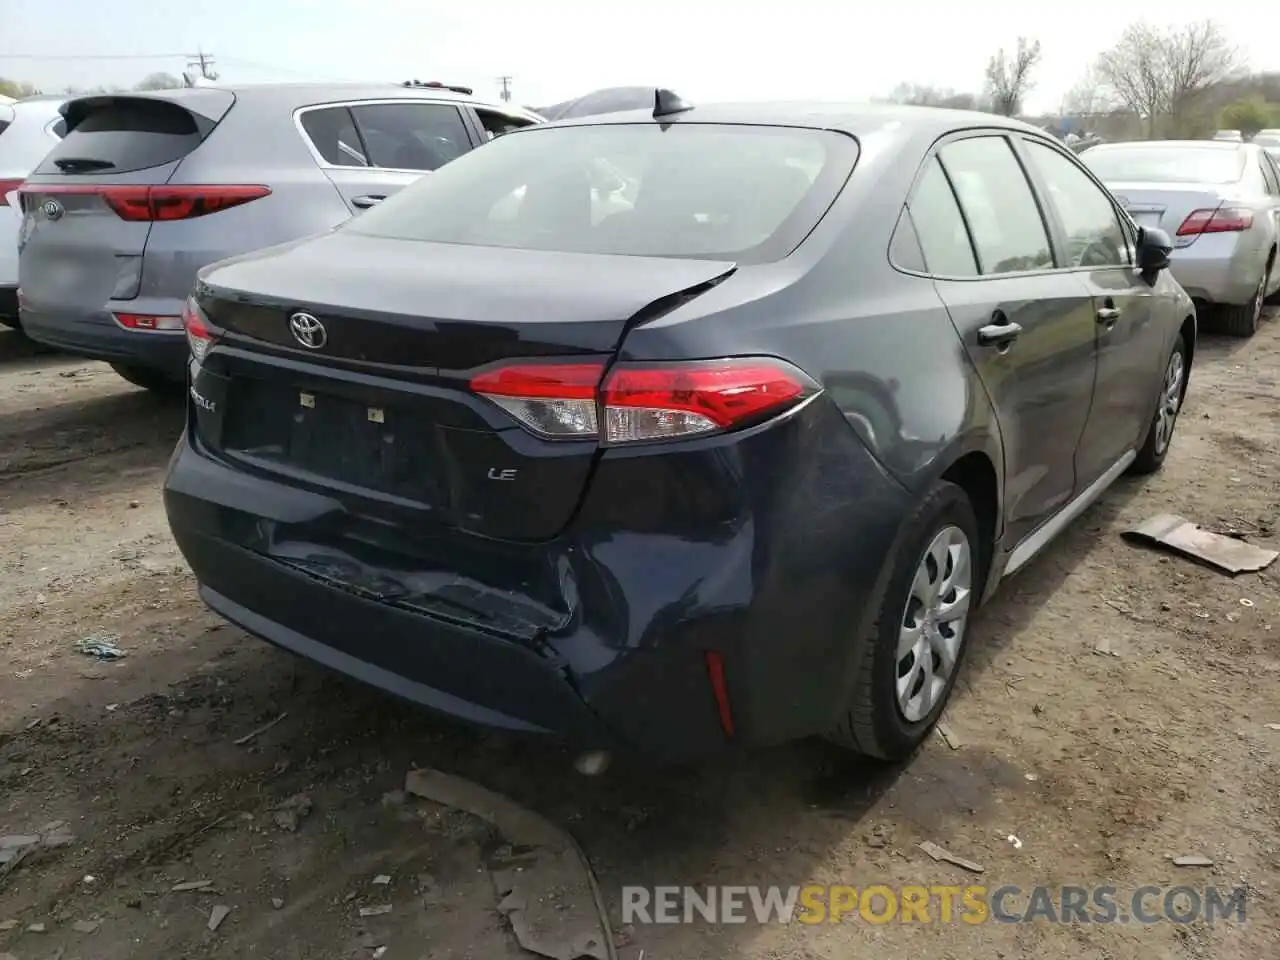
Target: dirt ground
<point x="1103" y="766"/>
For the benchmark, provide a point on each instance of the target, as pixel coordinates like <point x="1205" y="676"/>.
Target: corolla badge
<point x="308" y="331"/>
<point x="52" y="210"/>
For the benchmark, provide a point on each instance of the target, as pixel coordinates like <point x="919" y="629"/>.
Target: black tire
<point x="1153" y="451"/>
<point x="873" y="724"/>
<point x="150" y="380"/>
<point x="1242" y="320"/>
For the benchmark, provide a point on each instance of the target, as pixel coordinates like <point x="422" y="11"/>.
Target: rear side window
<point x="742" y="192"/>
<point x="997" y="201"/>
<point x="332" y="131"/>
<point x="395" y="136"/>
<point x="59" y="128"/>
<point x="125" y="135"/>
<point x="940" y="227"/>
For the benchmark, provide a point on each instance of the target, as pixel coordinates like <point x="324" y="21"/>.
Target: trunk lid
<point x="1167" y="205"/>
<point x="380" y="413"/>
<point x="79" y="249"/>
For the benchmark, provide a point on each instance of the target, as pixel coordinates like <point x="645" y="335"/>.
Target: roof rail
<point x="437" y="85"/>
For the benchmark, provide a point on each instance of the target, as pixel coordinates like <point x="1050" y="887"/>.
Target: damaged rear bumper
<point x="774" y="583"/>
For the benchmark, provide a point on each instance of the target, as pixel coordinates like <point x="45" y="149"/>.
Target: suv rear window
<point x="716" y="191"/>
<point x="128" y="134"/>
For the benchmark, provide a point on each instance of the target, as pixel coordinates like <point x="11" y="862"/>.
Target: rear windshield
<point x="1166" y="164"/>
<point x="125" y="135"/>
<point x="746" y="193"/>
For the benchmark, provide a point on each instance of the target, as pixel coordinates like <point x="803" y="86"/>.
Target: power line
<point x="92" y="56"/>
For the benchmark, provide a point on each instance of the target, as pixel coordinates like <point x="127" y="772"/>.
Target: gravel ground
<point x="1104" y="767"/>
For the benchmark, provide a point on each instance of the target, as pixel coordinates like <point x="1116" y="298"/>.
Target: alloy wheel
<point x="1170" y="401"/>
<point x="933" y="623"/>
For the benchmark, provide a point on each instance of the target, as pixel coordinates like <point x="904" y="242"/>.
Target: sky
<point x="555" y="49"/>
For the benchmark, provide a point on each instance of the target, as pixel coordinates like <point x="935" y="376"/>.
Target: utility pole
<point x="205" y="63"/>
<point x="506" y="88"/>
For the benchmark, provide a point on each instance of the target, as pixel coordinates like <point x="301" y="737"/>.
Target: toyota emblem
<point x="308" y="331"/>
<point x="52" y="209"/>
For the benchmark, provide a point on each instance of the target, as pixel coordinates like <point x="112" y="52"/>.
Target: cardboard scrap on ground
<point x="552" y="901"/>
<point x="1190" y="540"/>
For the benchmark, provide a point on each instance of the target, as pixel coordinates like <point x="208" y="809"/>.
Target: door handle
<point x="1107" y="316"/>
<point x="999" y="334"/>
<point x="369" y="200"/>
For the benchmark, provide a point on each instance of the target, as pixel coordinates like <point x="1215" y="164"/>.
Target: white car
<point x="28" y="130"/>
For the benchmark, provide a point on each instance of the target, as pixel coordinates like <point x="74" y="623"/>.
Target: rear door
<point x="370" y="149"/>
<point x="1100" y="249"/>
<point x="85" y="218"/>
<point x="1028" y="327"/>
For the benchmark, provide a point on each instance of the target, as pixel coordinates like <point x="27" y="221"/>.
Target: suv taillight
<point x="640" y="402"/>
<point x="7" y="187"/>
<point x="151" y="204"/>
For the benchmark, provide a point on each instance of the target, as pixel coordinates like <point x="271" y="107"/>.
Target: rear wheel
<point x="1168" y="405"/>
<point x="151" y="380"/>
<point x="919" y="638"/>
<point x="1242" y="320"/>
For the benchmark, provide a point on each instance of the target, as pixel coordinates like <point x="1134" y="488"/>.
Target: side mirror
<point x="1154" y="250"/>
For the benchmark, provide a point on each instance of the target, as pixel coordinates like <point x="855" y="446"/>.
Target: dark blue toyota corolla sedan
<point x="677" y="429"/>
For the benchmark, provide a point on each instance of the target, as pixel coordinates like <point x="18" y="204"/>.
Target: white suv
<point x="28" y="130"/>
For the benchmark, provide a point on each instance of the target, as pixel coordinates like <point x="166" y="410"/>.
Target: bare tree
<point x="1089" y="97"/>
<point x="1009" y="78"/>
<point x="922" y="95"/>
<point x="1197" y="58"/>
<point x="1161" y="73"/>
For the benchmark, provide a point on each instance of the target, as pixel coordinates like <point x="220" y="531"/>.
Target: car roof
<point x="846" y="117"/>
<point x="295" y="95"/>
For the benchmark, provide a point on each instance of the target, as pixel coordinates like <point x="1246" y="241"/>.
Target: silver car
<point x="29" y="129"/>
<point x="1220" y="202"/>
<point x="147" y="188"/>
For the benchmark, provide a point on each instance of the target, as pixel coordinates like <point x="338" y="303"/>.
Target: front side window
<point x="687" y="190"/>
<point x="1001" y="210"/>
<point x="496" y="123"/>
<point x="1094" y="235"/>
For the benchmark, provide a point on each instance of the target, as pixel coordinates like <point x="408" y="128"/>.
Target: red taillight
<point x="146" y="204"/>
<point x="644" y="402"/>
<point x="553" y="400"/>
<point x="682" y="399"/>
<point x="200" y="334"/>
<point x="1220" y="220"/>
<point x="7" y="187"/>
